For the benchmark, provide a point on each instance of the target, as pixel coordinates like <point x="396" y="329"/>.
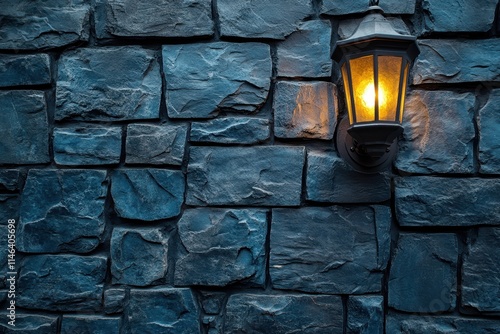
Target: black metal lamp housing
<point x="374" y="63"/>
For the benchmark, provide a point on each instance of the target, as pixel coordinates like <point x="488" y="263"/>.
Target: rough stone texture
<point x="62" y="210"/>
<point x="231" y="130"/>
<point x="331" y="180"/>
<point x="108" y="84"/>
<point x="156" y="144"/>
<point x="9" y="208"/>
<point x="222" y="246"/>
<point x="453" y="61"/>
<point x="61" y="282"/>
<point x="138" y="256"/>
<point x="172" y="18"/>
<point x="26" y="323"/>
<point x="266" y="175"/>
<point x="335" y="7"/>
<point x="481" y="271"/>
<point x="295" y="60"/>
<point x="350" y="259"/>
<point x="87" y="146"/>
<point x="462" y="15"/>
<point x="213" y="302"/>
<point x="438" y="133"/>
<point x="9" y="180"/>
<point x="305" y="110"/>
<point x="423" y="276"/>
<point x="365" y="315"/>
<point x="25" y="70"/>
<point x="41" y="24"/>
<point x="440" y="201"/>
<point x="489" y="136"/>
<point x="284" y="314"/>
<point x="90" y="324"/>
<point x="114" y="300"/>
<point x="439" y="325"/>
<point x="158" y="310"/>
<point x="205" y="78"/>
<point x="147" y="194"/>
<point x="24" y="128"/>
<point x="261" y="18"/>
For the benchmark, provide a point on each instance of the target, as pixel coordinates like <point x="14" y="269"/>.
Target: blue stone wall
<point x="171" y="168"/>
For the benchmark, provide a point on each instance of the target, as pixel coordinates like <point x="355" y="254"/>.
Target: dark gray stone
<point x="481" y="271"/>
<point x="62" y="210"/>
<point x="9" y="208"/>
<point x="25" y="70"/>
<point x="305" y="109"/>
<point x="335" y="7"/>
<point x="61" y="282"/>
<point x="29" y="323"/>
<point x="24" y="127"/>
<point x="295" y="60"/>
<point x="262" y="19"/>
<point x="41" y="24"/>
<point x="284" y="314"/>
<point x="415" y="324"/>
<point x="462" y="15"/>
<point x="169" y="310"/>
<point x="90" y="324"/>
<point x="452" y="61"/>
<point x="331" y="180"/>
<point x="365" y="315"/>
<point x="489" y="138"/>
<point x="87" y="146"/>
<point x="9" y="180"/>
<point x="438" y="133"/>
<point x="114" y="300"/>
<point x="231" y="130"/>
<point x="156" y="144"/>
<point x="154" y="18"/>
<point x="329" y="249"/>
<point x="423" y="276"/>
<point x="264" y="175"/>
<point x="147" y="194"/>
<point x="108" y="84"/>
<point x="138" y="256"/>
<point x="212" y="302"/>
<point x="205" y="78"/>
<point x="440" y="201"/>
<point x="222" y="246"/>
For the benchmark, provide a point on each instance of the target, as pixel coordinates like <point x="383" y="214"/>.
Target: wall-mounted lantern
<point x="374" y="63"/>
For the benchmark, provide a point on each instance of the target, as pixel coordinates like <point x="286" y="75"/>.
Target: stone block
<point x="335" y="7"/>
<point x="481" y="271"/>
<point x="87" y="146"/>
<point x="9" y="180"/>
<point x="331" y="180"/>
<point x="205" y="78"/>
<point x="425" y="324"/>
<point x="305" y="110"/>
<point x="284" y="314"/>
<point x="455" y="61"/>
<point x="155" y="144"/>
<point x="489" y="137"/>
<point x="329" y="249"/>
<point x="155" y="311"/>
<point x="365" y="315"/>
<point x="262" y="19"/>
<point x="25" y="70"/>
<point x="114" y="300"/>
<point x="9" y="208"/>
<point x="90" y="324"/>
<point x="61" y="211"/>
<point x="231" y="130"/>
<point x="295" y="60"/>
<point x="441" y="201"/>
<point x="61" y="282"/>
<point x="108" y="84"/>
<point x="423" y="275"/>
<point x="438" y="133"/>
<point x="30" y="323"/>
<point x="264" y="175"/>
<point x="171" y="18"/>
<point x="213" y="302"/>
<point x="138" y="256"/>
<point x="42" y="24"/>
<point x="147" y="194"/>
<point x="24" y="127"/>
<point x="222" y="246"/>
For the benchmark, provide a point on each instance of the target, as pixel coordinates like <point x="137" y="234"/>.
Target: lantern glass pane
<point x="389" y="72"/>
<point x="347" y="89"/>
<point x="363" y="86"/>
<point x="403" y="93"/>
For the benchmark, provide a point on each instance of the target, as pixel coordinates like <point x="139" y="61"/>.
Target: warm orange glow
<point x="368" y="97"/>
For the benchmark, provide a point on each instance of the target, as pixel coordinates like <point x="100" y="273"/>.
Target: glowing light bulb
<point x="368" y="96"/>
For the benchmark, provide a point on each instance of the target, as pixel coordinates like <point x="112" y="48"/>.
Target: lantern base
<point x="371" y="156"/>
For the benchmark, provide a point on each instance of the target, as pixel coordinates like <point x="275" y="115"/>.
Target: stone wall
<point x="171" y="168"/>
